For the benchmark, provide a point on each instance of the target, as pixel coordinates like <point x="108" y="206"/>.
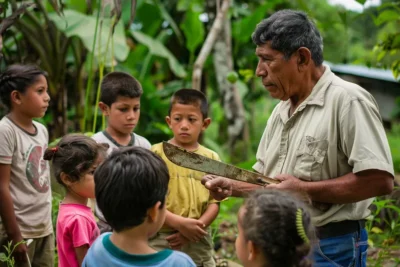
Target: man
<point x="325" y="139"/>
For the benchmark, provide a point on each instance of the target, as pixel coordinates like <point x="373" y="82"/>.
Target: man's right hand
<point x="20" y="253"/>
<point x="219" y="187"/>
<point x="192" y="229"/>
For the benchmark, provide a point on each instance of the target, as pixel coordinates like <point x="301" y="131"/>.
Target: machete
<point x="190" y="160"/>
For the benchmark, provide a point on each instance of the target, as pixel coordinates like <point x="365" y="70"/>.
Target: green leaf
<point x="83" y="26"/>
<point x="242" y="29"/>
<point x="158" y="49"/>
<point x="3" y="257"/>
<point x="386" y="16"/>
<point x="193" y="29"/>
<point x="376" y="230"/>
<point x="362" y="2"/>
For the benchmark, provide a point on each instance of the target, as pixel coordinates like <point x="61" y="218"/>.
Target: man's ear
<point x="304" y="58"/>
<point x="16" y="97"/>
<point x="206" y="123"/>
<point x="105" y="109"/>
<point x="154" y="212"/>
<point x="168" y="121"/>
<point x="65" y="179"/>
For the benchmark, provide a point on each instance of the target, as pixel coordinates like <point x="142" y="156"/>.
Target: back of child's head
<point x="128" y="183"/>
<point x="74" y="155"/>
<point x="279" y="225"/>
<point x="190" y="97"/>
<point x="17" y="77"/>
<point x="117" y="84"/>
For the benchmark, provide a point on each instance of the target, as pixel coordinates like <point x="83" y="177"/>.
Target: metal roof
<point x="363" y="71"/>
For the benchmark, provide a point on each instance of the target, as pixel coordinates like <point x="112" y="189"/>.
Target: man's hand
<point x="20" y="253"/>
<point x="219" y="187"/>
<point x="192" y="229"/>
<point x="287" y="182"/>
<point x="177" y="241"/>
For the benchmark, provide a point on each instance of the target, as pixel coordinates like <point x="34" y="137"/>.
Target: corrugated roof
<point x="362" y="71"/>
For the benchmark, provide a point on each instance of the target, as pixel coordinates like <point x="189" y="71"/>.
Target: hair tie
<point x="300" y="227"/>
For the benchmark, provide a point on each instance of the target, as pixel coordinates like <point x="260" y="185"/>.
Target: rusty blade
<point x="190" y="160"/>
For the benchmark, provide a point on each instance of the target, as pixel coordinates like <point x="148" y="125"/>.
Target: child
<point x="120" y="103"/>
<point x="25" y="193"/>
<point x="74" y="160"/>
<point x="131" y="186"/>
<point x="274" y="230"/>
<point x="190" y="207"/>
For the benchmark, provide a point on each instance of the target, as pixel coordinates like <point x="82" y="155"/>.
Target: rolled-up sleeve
<point x="363" y="138"/>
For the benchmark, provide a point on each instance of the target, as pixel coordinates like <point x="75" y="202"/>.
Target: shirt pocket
<point x="310" y="157"/>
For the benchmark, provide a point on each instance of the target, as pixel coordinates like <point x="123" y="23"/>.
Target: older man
<point x="325" y="138"/>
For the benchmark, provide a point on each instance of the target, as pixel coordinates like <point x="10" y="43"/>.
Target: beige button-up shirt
<point x="335" y="131"/>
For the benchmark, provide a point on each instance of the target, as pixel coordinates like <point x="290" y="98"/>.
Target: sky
<point x="354" y="5"/>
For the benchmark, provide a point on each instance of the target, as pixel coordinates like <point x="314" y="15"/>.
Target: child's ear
<point x="251" y="249"/>
<point x="105" y="109"/>
<point x="206" y="123"/>
<point x="65" y="179"/>
<point x="154" y="212"/>
<point x="16" y="97"/>
<point x="168" y="121"/>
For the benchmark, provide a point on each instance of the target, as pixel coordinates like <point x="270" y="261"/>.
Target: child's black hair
<point x="269" y="221"/>
<point x="74" y="155"/>
<point x="117" y="84"/>
<point x="17" y="77"/>
<point x="190" y="97"/>
<point x="129" y="182"/>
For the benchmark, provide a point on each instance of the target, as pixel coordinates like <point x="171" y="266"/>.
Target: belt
<point x="339" y="228"/>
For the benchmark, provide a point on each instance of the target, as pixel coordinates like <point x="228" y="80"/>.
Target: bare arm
<point x="242" y="189"/>
<point x="351" y="187"/>
<point x="7" y="213"/>
<point x="210" y="214"/>
<point x="80" y="253"/>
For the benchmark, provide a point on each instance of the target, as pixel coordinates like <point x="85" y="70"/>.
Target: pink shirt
<point x="76" y="226"/>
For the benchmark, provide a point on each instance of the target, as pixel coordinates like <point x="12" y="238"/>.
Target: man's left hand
<point x="288" y="182"/>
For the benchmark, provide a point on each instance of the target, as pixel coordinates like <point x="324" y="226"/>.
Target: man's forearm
<point x="350" y="188"/>
<point x="7" y="214"/>
<point x="242" y="189"/>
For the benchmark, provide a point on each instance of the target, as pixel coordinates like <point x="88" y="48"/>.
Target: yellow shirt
<point x="187" y="197"/>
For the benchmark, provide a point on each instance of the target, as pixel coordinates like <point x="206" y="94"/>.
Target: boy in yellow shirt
<point x="190" y="208"/>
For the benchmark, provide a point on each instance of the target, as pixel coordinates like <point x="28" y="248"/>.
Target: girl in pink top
<point x="74" y="161"/>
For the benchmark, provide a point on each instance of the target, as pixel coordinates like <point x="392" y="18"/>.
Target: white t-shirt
<point x="29" y="178"/>
<point x="104" y="137"/>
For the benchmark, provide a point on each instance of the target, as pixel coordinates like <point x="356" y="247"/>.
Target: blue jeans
<point x="348" y="250"/>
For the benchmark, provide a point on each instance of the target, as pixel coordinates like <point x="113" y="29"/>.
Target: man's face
<point x="279" y="76"/>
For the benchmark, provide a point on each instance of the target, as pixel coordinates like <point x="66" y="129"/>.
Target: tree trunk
<point x="232" y="104"/>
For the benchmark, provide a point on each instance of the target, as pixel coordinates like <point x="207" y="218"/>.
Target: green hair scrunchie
<point x="300" y="227"/>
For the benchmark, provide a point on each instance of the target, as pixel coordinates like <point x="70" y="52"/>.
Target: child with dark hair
<point x="131" y="186"/>
<point x="74" y="161"/>
<point x="274" y="231"/>
<point x="120" y="103"/>
<point x="25" y="193"/>
<point x="190" y="207"/>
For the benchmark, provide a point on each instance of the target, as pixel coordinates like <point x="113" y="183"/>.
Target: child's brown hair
<point x="74" y="155"/>
<point x="270" y="222"/>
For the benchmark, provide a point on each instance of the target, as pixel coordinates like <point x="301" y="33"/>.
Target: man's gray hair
<point x="288" y="30"/>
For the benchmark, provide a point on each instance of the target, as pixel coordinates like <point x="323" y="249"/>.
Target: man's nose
<point x="261" y="70"/>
